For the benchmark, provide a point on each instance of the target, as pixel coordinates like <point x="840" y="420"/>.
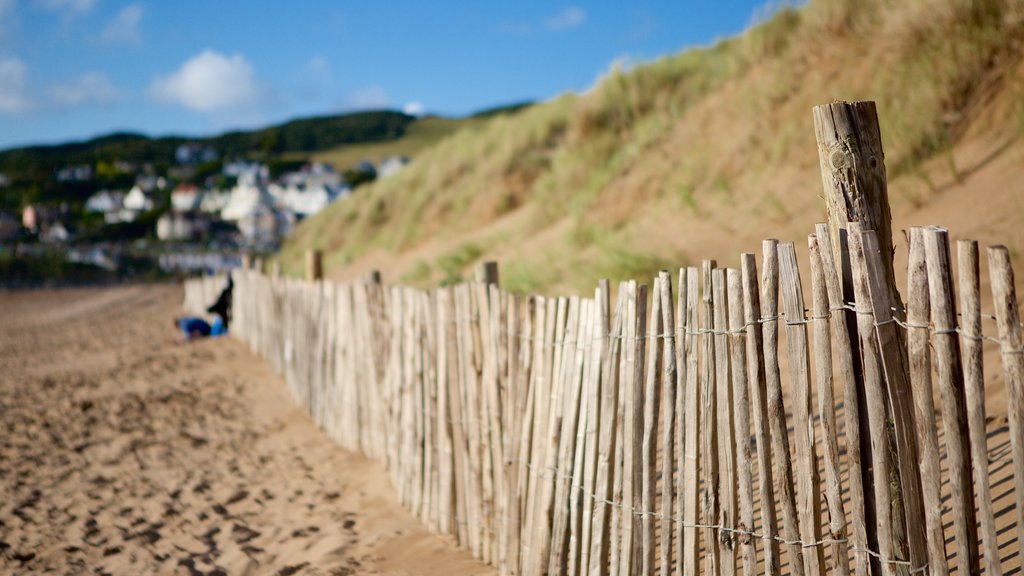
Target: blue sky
<point x="74" y="69"/>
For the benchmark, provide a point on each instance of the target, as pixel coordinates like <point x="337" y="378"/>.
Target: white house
<point x="57" y="233"/>
<point x="313" y="174"/>
<point x="186" y="198"/>
<point x="245" y="198"/>
<point x="105" y="202"/>
<point x="214" y="201"/>
<point x="137" y="200"/>
<point x="308" y="200"/>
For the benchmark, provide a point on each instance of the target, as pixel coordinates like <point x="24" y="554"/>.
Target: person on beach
<point x="192" y="327"/>
<point x="222" y="307"/>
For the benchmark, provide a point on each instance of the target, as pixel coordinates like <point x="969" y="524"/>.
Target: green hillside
<point x="699" y="154"/>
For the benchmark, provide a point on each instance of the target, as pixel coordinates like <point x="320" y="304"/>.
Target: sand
<point x="123" y="453"/>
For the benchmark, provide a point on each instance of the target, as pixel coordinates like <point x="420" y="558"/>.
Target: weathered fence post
<point x="246" y="261"/>
<point x="487" y="272"/>
<point x="853" y="176"/>
<point x="314" y="265"/>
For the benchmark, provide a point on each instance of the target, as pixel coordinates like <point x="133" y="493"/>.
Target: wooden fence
<point x="673" y="432"/>
<point x="660" y="431"/>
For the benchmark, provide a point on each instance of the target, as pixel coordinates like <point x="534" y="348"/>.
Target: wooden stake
<point x="954" y="409"/>
<point x="709" y="428"/>
<point x="671" y="402"/>
<point x="783" y="471"/>
<point x="651" y="413"/>
<point x="600" y="529"/>
<point x="974" y="379"/>
<point x="314" y="265"/>
<point x="827" y="412"/>
<point x="759" y="399"/>
<point x="852" y="404"/>
<point x="918" y="311"/>
<point x="691" y="464"/>
<point x="727" y="501"/>
<point x="1004" y="296"/>
<point x="741" y="399"/>
<point x="877" y="413"/>
<point x="809" y="485"/>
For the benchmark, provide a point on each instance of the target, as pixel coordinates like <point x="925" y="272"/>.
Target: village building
<point x="105" y="202"/>
<point x="214" y="201"/>
<point x="186" y="198"/>
<point x="56" y="233"/>
<point x="135" y="202"/>
<point x="306" y="201"/>
<point x="177" y="226"/>
<point x="246" y="198"/>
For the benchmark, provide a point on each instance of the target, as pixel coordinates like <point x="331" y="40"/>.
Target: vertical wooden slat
<point x="954" y="409"/>
<point x="446" y="516"/>
<point x="575" y="359"/>
<point x="565" y="330"/>
<point x="651" y="414"/>
<point x="894" y="364"/>
<point x="759" y="400"/>
<point x="622" y="528"/>
<point x="809" y="491"/>
<point x="692" y="446"/>
<point x="598" y="562"/>
<point x="876" y="407"/>
<point x="974" y="379"/>
<point x="586" y="440"/>
<point x="827" y="412"/>
<point x="741" y="399"/>
<point x="630" y="559"/>
<point x="671" y="413"/>
<point x="519" y="490"/>
<point x="1011" y="348"/>
<point x="727" y="501"/>
<point x="542" y="344"/>
<point x="851" y="403"/>
<point x="783" y="470"/>
<point x="679" y="462"/>
<point x="709" y="425"/>
<point x="595" y="416"/>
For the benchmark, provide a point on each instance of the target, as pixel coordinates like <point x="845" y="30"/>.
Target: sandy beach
<point x="124" y="453"/>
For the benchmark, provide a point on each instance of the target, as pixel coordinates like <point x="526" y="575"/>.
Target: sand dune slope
<point x="122" y="453"/>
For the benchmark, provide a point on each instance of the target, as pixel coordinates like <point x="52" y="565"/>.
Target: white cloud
<point x="124" y="27"/>
<point x="90" y="88"/>
<point x="368" y="98"/>
<point x="210" y="81"/>
<point x="14" y="92"/>
<point x="415" y="108"/>
<point x="566" y="19"/>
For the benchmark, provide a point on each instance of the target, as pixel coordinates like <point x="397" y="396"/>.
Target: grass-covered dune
<point x="705" y="153"/>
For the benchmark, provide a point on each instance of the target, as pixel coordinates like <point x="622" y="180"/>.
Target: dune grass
<point x="699" y="136"/>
